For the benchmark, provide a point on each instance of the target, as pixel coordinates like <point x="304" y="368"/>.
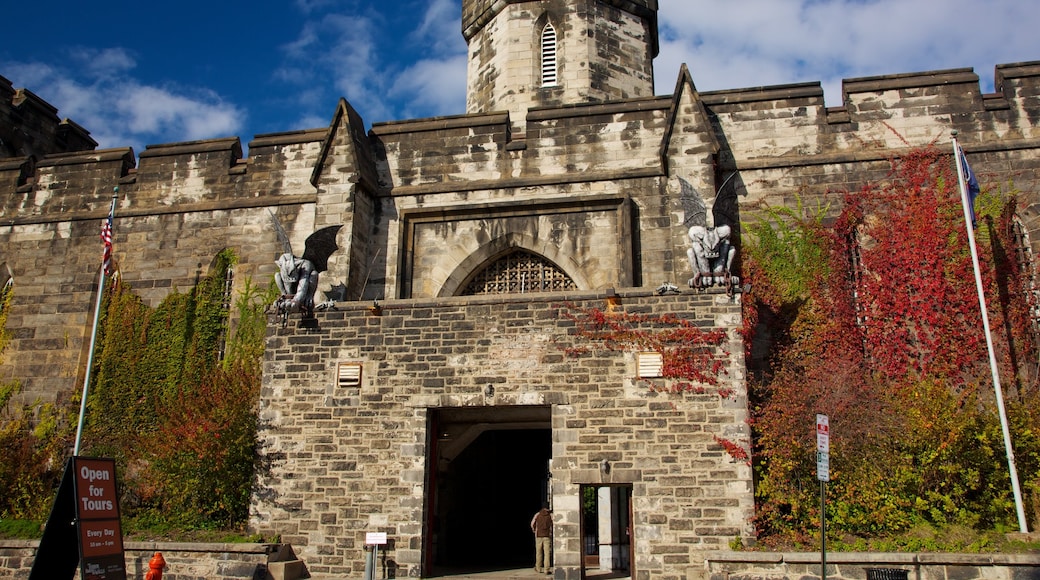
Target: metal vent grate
<point x="548" y="56"/>
<point x="650" y="364"/>
<point x="519" y="272"/>
<point x="348" y="374"/>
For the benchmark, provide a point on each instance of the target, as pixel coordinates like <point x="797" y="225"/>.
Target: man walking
<point x="541" y="525"/>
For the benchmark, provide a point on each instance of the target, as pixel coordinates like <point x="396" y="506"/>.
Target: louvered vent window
<point x="519" y="272"/>
<point x="650" y="364"/>
<point x="348" y="374"/>
<point x="548" y="56"/>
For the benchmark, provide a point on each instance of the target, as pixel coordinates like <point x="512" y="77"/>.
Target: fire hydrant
<point x="155" y="567"/>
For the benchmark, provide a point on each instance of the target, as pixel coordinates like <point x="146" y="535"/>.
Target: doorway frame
<point x="629" y="530"/>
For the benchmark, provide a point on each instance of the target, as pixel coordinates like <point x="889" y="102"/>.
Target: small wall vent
<point x="348" y="374"/>
<point x="650" y="364"/>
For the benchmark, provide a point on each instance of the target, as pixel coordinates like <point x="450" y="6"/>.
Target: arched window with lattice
<point x="518" y="272"/>
<point x="549" y="56"/>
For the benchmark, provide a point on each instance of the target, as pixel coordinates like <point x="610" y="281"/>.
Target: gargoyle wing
<point x="282" y="236"/>
<point x="695" y="213"/>
<point x="726" y="210"/>
<point x="319" y="246"/>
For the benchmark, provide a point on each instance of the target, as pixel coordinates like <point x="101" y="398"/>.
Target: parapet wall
<point x="29" y="126"/>
<point x="757" y="128"/>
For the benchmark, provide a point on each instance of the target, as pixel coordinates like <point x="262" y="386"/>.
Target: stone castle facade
<point x="436" y="402"/>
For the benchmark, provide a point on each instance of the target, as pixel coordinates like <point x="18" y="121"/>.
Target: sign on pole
<point x="823" y="473"/>
<point x="85" y="514"/>
<point x="823" y="448"/>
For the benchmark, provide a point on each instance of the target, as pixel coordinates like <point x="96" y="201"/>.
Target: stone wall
<point x="185" y="561"/>
<point x="257" y="561"/>
<point x="423" y="205"/>
<point x="39" y="129"/>
<point x="182" y="203"/>
<point x="855" y="565"/>
<point x="346" y="461"/>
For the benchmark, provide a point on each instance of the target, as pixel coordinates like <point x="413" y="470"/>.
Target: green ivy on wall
<point x="180" y="421"/>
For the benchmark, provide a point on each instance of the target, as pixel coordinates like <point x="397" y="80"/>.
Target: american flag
<point x="106" y="239"/>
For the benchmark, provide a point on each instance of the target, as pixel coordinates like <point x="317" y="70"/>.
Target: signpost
<point x="85" y="515"/>
<point x="823" y="473"/>
<point x="374" y="539"/>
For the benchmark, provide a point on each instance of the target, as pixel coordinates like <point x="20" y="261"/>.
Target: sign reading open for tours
<point x="83" y="526"/>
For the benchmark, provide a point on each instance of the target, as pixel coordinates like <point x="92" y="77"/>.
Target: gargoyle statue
<point x="711" y="251"/>
<point x="297" y="277"/>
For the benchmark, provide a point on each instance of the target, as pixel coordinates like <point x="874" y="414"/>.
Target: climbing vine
<point x="32" y="443"/>
<point x="692" y="358"/>
<point x="179" y="420"/>
<point x="689" y="354"/>
<point x="873" y="319"/>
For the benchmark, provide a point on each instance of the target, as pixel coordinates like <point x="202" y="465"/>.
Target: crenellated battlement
<point x="759" y="127"/>
<point x="30" y="126"/>
<point x="452" y="249"/>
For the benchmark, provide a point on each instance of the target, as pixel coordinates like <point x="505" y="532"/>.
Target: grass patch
<point x="20" y="529"/>
<point x="144" y="531"/>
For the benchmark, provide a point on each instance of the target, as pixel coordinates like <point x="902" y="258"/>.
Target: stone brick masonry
<point x="346" y="461"/>
<point x="584" y="175"/>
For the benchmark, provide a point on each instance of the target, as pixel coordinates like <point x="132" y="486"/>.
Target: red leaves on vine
<point x="882" y="332"/>
<point x="689" y="353"/>
<point x="733" y="449"/>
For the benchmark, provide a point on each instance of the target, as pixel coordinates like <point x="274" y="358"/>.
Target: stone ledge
<point x="232" y="548"/>
<point x="244" y="548"/>
<point x="877" y="558"/>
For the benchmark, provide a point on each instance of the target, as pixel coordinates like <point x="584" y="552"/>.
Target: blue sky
<point x="135" y="73"/>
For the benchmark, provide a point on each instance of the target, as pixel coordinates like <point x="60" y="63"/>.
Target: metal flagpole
<point x="958" y="155"/>
<point x="93" y="338"/>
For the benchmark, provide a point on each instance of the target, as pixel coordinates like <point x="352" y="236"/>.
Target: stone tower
<point x="525" y="54"/>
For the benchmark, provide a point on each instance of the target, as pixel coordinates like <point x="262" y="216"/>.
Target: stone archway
<point x="488" y="253"/>
<point x="489" y="470"/>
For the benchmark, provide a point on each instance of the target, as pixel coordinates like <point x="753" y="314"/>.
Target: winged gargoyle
<point x="712" y="251"/>
<point x="297" y="277"/>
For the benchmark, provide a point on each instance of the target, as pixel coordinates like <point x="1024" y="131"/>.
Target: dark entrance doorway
<point x="488" y="475"/>
<point x="606" y="531"/>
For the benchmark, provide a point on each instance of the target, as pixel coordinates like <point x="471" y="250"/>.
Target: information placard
<point x="85" y="514"/>
<point x="97" y="519"/>
<point x="823" y="448"/>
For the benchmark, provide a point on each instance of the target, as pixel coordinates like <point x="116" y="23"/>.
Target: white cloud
<point x="118" y="110"/>
<point x="334" y="56"/>
<point x="435" y="87"/>
<point x="351" y="55"/>
<point x="732" y="44"/>
<point x="441" y="28"/>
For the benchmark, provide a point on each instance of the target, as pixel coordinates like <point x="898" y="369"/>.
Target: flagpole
<point x="957" y="156"/>
<point x="93" y="339"/>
